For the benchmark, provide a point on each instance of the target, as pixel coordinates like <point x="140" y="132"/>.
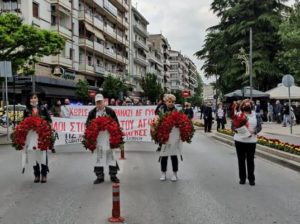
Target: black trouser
<point x="207" y="125"/>
<point x="43" y="171"/>
<point x="99" y="170"/>
<point x="220" y="122"/>
<point x="164" y="163"/>
<point x="245" y="153"/>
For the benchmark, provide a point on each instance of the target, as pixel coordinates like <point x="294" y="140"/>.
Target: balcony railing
<point x="109" y="30"/>
<point x="100" y="70"/>
<point x="64" y="3"/>
<point x="98" y="47"/>
<point x="84" y="67"/>
<point x="140" y="29"/>
<point x="98" y="23"/>
<point x="141" y="60"/>
<point x="60" y="60"/>
<point x="99" y="3"/>
<point x="141" y="44"/>
<point x="87" y="16"/>
<point x="110" y="53"/>
<point x="62" y="30"/>
<point x="85" y="43"/>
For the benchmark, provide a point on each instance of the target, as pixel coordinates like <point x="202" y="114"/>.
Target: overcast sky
<point x="183" y="23"/>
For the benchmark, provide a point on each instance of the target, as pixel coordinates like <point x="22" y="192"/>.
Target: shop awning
<point x="50" y="91"/>
<point x="93" y="30"/>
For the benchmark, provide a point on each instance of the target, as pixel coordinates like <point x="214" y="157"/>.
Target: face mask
<point x="34" y="104"/>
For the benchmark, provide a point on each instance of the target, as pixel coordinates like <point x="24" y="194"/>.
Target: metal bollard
<point x="116" y="211"/>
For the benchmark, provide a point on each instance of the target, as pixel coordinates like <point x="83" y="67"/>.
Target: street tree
<point x="25" y="44"/>
<point x="224" y="41"/>
<point x="82" y="90"/>
<point x="289" y="32"/>
<point x="113" y="87"/>
<point x="152" y="89"/>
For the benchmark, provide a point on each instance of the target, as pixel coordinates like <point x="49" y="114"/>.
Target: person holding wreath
<point x="173" y="147"/>
<point x="105" y="154"/>
<point x="246" y="124"/>
<point x="34" y="109"/>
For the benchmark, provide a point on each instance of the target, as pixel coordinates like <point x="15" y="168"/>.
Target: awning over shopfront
<point x="50" y="91"/>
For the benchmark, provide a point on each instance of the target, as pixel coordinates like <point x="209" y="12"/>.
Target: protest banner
<point x="134" y="120"/>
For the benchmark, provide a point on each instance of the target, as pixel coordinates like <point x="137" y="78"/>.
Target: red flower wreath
<point x="102" y="124"/>
<point x="44" y="131"/>
<point x="161" y="131"/>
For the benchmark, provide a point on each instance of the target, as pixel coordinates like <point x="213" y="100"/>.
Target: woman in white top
<point x="245" y="146"/>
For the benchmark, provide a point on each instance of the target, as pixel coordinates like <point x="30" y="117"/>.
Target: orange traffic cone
<point x="116" y="213"/>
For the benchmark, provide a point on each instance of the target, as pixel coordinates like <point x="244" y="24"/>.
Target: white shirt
<point x="65" y="111"/>
<point x="252" y="123"/>
<point x="220" y="113"/>
<point x="100" y="113"/>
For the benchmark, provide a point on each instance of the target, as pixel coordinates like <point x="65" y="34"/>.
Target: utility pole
<point x="250" y="63"/>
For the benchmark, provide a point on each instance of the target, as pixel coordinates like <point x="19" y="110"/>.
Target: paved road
<point x="207" y="192"/>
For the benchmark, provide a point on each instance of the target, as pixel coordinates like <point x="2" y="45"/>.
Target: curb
<point x="280" y="157"/>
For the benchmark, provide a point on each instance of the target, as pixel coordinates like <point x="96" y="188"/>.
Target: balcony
<point x="65" y="3"/>
<point x="100" y="70"/>
<point x="99" y="3"/>
<point x="85" y="16"/>
<point x="60" y="60"/>
<point x="110" y="31"/>
<point x="98" y="23"/>
<point x="140" y="30"/>
<point x="110" y="53"/>
<point x="120" y="58"/>
<point x="141" y="60"/>
<point x="62" y="30"/>
<point x="83" y="42"/>
<point x="167" y="62"/>
<point x="98" y="47"/>
<point x="119" y="38"/>
<point x="84" y="67"/>
<point x="140" y="44"/>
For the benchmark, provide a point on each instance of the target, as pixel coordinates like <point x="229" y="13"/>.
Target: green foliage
<point x="152" y="89"/>
<point x="112" y="87"/>
<point x="224" y="41"/>
<point x="289" y="32"/>
<point x="24" y="44"/>
<point x="82" y="90"/>
<point x="197" y="98"/>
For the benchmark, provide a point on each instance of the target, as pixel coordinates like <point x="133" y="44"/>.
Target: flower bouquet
<point x="46" y="135"/>
<point x="102" y="124"/>
<point x="240" y="125"/>
<point x="162" y="128"/>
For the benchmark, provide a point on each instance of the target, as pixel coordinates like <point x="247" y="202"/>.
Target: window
<point x="35" y="10"/>
<point x="71" y="53"/>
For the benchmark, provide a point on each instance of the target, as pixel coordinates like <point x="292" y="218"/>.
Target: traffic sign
<point x="288" y="80"/>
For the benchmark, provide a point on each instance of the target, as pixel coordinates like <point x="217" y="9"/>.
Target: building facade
<point x="183" y="73"/>
<point x="161" y="45"/>
<point x="96" y="41"/>
<point x="138" y="51"/>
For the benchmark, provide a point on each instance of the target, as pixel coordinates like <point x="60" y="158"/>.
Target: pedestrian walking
<point x="208" y="118"/>
<point x="278" y="112"/>
<point x="33" y="109"/>
<point x="106" y="157"/>
<point x="221" y="117"/>
<point x="174" y="146"/>
<point x="188" y="110"/>
<point x="297" y="112"/>
<point x="245" y="145"/>
<point x="270" y="112"/>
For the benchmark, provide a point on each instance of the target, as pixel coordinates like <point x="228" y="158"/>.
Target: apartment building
<point x="161" y="45"/>
<point x="156" y="65"/>
<point x="138" y="50"/>
<point x="183" y="73"/>
<point x="96" y="36"/>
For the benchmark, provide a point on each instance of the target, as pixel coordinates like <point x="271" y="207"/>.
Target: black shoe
<point x="53" y="151"/>
<point x="44" y="179"/>
<point x="252" y="183"/>
<point x="98" y="180"/>
<point x="158" y="149"/>
<point x="114" y="179"/>
<point x="242" y="181"/>
<point x="36" y="179"/>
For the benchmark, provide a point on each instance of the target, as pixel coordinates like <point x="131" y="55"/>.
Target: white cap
<point x="99" y="97"/>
